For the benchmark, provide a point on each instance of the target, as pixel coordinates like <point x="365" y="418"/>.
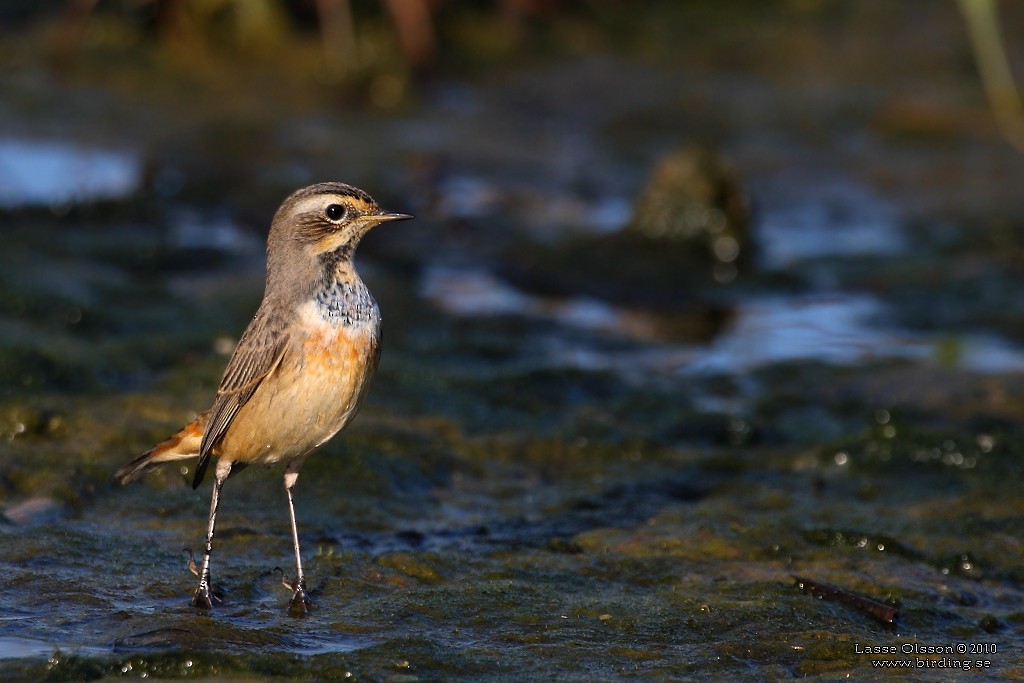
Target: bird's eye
<point x="335" y="212"/>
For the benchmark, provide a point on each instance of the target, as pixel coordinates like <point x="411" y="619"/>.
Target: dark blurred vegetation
<point x="376" y="50"/>
<point x="374" y="47"/>
<point x="373" y="50"/>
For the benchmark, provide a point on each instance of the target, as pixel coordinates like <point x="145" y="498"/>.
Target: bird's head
<point x="328" y="217"/>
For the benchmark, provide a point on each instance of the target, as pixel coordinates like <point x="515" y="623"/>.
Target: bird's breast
<point x="318" y="387"/>
<point x="331" y="342"/>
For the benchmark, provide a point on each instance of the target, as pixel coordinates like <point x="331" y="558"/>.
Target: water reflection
<point x="17" y="648"/>
<point x="838" y="329"/>
<point x="834" y="329"/>
<point x="52" y="173"/>
<point x="834" y="217"/>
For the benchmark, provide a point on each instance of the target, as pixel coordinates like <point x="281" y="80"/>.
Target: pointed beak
<point x="372" y="220"/>
<point x="387" y="217"/>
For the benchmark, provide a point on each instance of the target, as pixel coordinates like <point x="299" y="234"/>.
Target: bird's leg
<point x="300" y="604"/>
<point x="203" y="597"/>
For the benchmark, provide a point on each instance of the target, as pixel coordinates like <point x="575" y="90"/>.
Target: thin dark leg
<point x="203" y="595"/>
<point x="300" y="604"/>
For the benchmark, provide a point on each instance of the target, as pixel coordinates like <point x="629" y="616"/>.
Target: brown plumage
<point x="303" y="366"/>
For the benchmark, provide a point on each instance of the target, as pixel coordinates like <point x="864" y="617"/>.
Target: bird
<point x="301" y="369"/>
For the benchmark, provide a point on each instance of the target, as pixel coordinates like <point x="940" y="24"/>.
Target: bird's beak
<point x="387" y="217"/>
<point x="368" y="222"/>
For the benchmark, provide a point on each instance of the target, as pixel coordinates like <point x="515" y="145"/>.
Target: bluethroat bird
<point x="301" y="369"/>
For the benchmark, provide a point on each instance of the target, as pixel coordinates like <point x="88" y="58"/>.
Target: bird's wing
<point x="257" y="356"/>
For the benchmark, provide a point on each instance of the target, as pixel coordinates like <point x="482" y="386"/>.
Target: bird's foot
<point x="300" y="604"/>
<point x="204" y="597"/>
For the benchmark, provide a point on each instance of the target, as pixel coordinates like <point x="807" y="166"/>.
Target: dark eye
<point x="335" y="212"/>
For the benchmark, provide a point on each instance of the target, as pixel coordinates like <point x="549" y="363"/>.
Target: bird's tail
<point x="181" y="446"/>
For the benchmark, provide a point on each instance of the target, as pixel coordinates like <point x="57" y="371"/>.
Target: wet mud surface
<point x="618" y="430"/>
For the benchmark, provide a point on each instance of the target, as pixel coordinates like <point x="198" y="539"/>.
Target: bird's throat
<point x="343" y="299"/>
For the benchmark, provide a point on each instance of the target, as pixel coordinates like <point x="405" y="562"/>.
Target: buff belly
<point x="314" y="392"/>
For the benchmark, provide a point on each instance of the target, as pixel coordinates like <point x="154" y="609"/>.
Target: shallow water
<point x="839" y="328"/>
<point x="59" y="173"/>
<point x="580" y="460"/>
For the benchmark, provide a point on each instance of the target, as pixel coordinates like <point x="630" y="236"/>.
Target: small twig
<point x="192" y="567"/>
<point x="873" y="608"/>
<point x="285" y="581"/>
<point x="982" y="19"/>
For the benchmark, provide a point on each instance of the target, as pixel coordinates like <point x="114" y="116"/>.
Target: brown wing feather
<point x="257" y="355"/>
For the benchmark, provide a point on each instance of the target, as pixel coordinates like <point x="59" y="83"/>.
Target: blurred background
<point x="700" y="296"/>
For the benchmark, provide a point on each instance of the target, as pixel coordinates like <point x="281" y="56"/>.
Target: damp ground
<point x="591" y="452"/>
